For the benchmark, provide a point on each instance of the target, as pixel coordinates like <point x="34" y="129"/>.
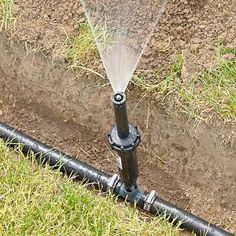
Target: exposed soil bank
<point x="194" y="28"/>
<point x="51" y="104"/>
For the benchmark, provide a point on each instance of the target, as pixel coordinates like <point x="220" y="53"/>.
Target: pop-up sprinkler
<point x="125" y="138"/>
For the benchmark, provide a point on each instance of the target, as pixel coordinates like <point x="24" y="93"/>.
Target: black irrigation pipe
<point x="83" y="171"/>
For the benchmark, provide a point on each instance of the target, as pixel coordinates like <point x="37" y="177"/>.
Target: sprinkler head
<point x="119" y="97"/>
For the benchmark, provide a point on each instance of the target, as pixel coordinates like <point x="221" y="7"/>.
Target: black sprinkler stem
<point x="119" y="105"/>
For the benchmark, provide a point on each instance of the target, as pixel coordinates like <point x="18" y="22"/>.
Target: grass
<point x="104" y="36"/>
<point x="38" y="201"/>
<point x="6" y="15"/>
<point x="81" y="49"/>
<point x="211" y="93"/>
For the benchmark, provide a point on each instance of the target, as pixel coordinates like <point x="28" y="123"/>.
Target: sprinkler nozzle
<point x="118" y="97"/>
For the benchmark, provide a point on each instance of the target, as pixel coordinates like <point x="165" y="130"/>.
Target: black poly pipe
<point x="189" y="221"/>
<point x="55" y="158"/>
<point x="82" y="171"/>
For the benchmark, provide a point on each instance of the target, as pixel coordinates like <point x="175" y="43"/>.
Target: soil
<point x="191" y="27"/>
<point x="191" y="165"/>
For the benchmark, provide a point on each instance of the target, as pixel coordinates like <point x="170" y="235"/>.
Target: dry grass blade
<point x="6" y="15"/>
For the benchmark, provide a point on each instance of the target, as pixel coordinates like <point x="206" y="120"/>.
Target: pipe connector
<point x="116" y="186"/>
<point x="112" y="183"/>
<point x="133" y="195"/>
<point x="124" y="145"/>
<point x="149" y="200"/>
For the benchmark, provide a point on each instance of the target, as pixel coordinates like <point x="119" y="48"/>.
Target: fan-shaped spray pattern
<point x="121" y="29"/>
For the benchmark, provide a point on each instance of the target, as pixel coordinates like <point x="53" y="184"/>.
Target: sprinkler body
<point x="124" y="138"/>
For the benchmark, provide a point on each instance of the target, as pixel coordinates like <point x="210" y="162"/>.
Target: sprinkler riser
<point x="128" y="168"/>
<point x="127" y="155"/>
<point x="124" y="138"/>
<point x="119" y="105"/>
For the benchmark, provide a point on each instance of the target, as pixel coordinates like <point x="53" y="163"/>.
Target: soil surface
<point x="193" y="166"/>
<point x="194" y="28"/>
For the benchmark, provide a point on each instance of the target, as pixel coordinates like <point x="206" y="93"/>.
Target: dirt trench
<point x="193" y="166"/>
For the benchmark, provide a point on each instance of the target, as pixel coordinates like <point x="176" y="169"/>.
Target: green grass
<point x="104" y="35"/>
<point x="38" y="201"/>
<point x="81" y="51"/>
<point x="82" y="48"/>
<point x="6" y="15"/>
<point x="212" y="93"/>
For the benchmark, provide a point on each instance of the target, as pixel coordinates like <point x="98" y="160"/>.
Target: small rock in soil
<point x="229" y="56"/>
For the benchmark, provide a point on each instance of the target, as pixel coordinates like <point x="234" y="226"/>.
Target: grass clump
<point x="104" y="35"/>
<point x="6" y="15"/>
<point x="217" y="88"/>
<point x="81" y="51"/>
<point x="212" y="92"/>
<point x="82" y="48"/>
<point x="38" y="201"/>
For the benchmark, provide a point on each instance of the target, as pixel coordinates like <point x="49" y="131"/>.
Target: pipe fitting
<point x="112" y="183"/>
<point x="132" y="195"/>
<point x="149" y="200"/>
<point x="124" y="145"/>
